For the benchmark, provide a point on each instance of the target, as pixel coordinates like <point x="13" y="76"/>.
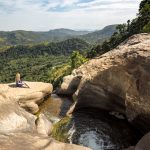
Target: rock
<point x="144" y="143"/>
<point x="71" y="109"/>
<point x="43" y="125"/>
<point x="119" y="81"/>
<point x="117" y="115"/>
<point x="14" y="118"/>
<point x="31" y="107"/>
<point x="18" y="130"/>
<point x="28" y="98"/>
<point x="131" y="148"/>
<point x="27" y="141"/>
<point x="69" y="85"/>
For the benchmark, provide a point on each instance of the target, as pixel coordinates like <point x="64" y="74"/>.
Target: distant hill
<point x="21" y="37"/>
<point x="60" y="48"/>
<point x="99" y="35"/>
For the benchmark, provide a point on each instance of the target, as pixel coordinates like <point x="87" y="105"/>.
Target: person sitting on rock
<point x="19" y="82"/>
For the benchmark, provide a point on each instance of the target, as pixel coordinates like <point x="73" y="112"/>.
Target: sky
<point x="44" y="15"/>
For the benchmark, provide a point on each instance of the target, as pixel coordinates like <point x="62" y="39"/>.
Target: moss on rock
<point x="60" y="130"/>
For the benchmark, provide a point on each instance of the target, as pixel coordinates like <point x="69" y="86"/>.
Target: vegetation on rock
<point x="60" y="130"/>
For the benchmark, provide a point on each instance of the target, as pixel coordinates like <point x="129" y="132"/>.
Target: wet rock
<point x="144" y="143"/>
<point x="131" y="148"/>
<point x="71" y="109"/>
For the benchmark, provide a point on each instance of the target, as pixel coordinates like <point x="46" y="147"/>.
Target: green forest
<point x="47" y="62"/>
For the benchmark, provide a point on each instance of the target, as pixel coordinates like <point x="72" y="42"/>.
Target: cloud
<point x="63" y="5"/>
<point x="109" y="4"/>
<point x="75" y="14"/>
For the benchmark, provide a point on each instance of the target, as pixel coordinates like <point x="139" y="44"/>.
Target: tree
<point x="77" y="59"/>
<point x="142" y="4"/>
<point x="121" y="28"/>
<point x="128" y="24"/>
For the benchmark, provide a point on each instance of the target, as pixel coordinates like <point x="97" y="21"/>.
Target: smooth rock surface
<point x="119" y="81"/>
<point x="144" y="143"/>
<point x="69" y="85"/>
<point x="21" y="130"/>
<point x="27" y="141"/>
<point x="13" y="118"/>
<point x="28" y="98"/>
<point x="44" y="126"/>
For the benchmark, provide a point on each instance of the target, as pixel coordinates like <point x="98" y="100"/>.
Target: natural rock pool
<point x="89" y="127"/>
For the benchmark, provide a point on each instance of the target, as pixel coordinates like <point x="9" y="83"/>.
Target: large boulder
<point x="143" y="144"/>
<point x="44" y="126"/>
<point x="28" y="98"/>
<point x="119" y="81"/>
<point x="27" y="141"/>
<point x="69" y="85"/>
<point x="13" y="118"/>
<point x="21" y="130"/>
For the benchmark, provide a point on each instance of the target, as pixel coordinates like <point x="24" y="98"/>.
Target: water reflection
<point x="56" y="107"/>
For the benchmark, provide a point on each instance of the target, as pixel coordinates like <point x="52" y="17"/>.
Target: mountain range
<point x="21" y="37"/>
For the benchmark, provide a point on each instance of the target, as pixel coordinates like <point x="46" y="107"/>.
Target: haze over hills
<point x="100" y="35"/>
<point x="21" y="37"/>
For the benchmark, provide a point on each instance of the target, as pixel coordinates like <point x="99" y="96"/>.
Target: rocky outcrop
<point x="21" y="130"/>
<point x="14" y="118"/>
<point x="43" y="125"/>
<point x="119" y="81"/>
<point x="143" y="144"/>
<point x="69" y="85"/>
<point x="28" y="98"/>
<point x="28" y="141"/>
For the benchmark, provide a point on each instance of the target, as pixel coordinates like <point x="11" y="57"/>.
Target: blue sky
<point x="43" y="15"/>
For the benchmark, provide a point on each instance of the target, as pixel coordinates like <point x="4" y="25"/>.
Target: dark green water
<point x="91" y="127"/>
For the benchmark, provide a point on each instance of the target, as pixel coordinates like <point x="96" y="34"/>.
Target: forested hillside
<point x="61" y="48"/>
<point x="101" y="35"/>
<point x="22" y="37"/>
